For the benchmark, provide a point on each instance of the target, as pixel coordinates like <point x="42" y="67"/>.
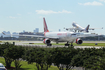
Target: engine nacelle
<point x="79" y="41"/>
<point x="46" y="41"/>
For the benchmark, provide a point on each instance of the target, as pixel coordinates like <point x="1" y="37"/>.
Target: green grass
<point x="87" y="43"/>
<point x="26" y="66"/>
<point x="83" y="44"/>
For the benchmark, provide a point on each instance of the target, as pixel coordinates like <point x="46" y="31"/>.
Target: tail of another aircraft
<point x="87" y="28"/>
<point x="45" y="26"/>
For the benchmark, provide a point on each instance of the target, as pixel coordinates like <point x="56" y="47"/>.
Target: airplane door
<point x="73" y="35"/>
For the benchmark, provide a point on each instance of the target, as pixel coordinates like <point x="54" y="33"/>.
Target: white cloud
<point x="51" y="12"/>
<point x="12" y="17"/>
<point x="18" y="14"/>
<point x="91" y="3"/>
<point x="29" y="13"/>
<point x="102" y="0"/>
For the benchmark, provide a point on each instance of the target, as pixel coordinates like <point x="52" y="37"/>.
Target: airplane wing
<point x="24" y="35"/>
<point x="87" y="35"/>
<point x="89" y="28"/>
<point x="39" y="36"/>
<point x="95" y="28"/>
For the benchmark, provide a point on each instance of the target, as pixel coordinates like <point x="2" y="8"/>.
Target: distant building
<point x="23" y="31"/>
<point x="8" y="34"/>
<point x="14" y="34"/>
<point x="59" y="30"/>
<point x="40" y="33"/>
<point x="36" y="30"/>
<point x="26" y="33"/>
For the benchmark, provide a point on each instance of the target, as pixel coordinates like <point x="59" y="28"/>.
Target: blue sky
<point x="19" y="15"/>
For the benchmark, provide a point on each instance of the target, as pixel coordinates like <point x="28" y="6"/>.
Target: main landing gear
<point x="68" y="44"/>
<point x="49" y="44"/>
<point x="56" y="42"/>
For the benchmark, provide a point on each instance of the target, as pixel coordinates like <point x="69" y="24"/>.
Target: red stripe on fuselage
<point x="62" y="34"/>
<point x="59" y="34"/>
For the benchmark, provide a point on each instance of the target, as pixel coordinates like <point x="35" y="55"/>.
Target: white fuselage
<point x="62" y="36"/>
<point x="77" y="27"/>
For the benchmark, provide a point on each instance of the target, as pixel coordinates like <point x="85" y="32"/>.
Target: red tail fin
<point x="45" y="26"/>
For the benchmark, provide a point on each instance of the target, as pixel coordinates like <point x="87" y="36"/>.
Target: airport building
<point x="8" y="34"/>
<point x="36" y="30"/>
<point x="14" y="35"/>
<point x="26" y="33"/>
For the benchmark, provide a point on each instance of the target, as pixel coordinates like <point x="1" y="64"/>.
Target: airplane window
<point x="73" y="34"/>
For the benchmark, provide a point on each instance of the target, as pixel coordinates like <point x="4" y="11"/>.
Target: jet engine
<point x="46" y="41"/>
<point x="79" y="41"/>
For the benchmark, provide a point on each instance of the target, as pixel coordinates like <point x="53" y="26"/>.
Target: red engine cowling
<point x="46" y="41"/>
<point x="79" y="41"/>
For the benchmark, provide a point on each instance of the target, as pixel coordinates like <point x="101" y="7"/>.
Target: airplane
<point x="78" y="28"/>
<point x="68" y="36"/>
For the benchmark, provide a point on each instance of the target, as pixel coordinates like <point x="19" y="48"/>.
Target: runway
<point x="26" y="44"/>
<point x="53" y="46"/>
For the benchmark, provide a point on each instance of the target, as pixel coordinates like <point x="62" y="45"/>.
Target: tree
<point x="62" y="57"/>
<point x="14" y="53"/>
<point x="40" y="56"/>
<point x="8" y="60"/>
<point x="97" y="60"/>
<point x="90" y="58"/>
<point x="77" y="59"/>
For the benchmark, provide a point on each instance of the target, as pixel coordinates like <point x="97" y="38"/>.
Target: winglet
<point x="45" y="26"/>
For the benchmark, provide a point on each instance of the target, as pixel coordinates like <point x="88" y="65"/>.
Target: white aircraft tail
<point x="87" y="28"/>
<point x="45" y="25"/>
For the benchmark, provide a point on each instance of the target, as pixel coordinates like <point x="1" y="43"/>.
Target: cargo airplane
<point x="68" y="36"/>
<point x="78" y="28"/>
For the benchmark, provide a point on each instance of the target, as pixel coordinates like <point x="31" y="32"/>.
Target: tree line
<point x="63" y="58"/>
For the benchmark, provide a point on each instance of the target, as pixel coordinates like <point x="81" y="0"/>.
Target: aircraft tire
<point x="49" y="44"/>
<point x="67" y="44"/>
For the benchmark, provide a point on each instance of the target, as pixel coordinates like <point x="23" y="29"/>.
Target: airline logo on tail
<point x="45" y="26"/>
<point x="87" y="28"/>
